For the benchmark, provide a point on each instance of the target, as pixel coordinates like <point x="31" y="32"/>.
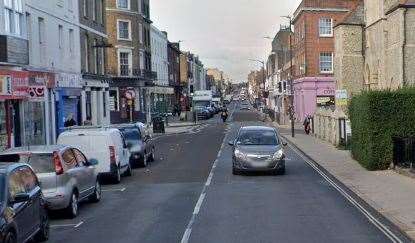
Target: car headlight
<point x="239" y="154"/>
<point x="278" y="155"/>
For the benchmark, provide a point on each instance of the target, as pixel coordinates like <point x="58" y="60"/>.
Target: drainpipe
<point x="403" y="47"/>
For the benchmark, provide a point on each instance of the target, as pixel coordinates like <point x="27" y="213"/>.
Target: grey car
<point x="66" y="176"/>
<point x="258" y="149"/>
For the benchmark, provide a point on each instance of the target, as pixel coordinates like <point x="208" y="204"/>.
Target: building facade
<point x="174" y="52"/>
<point x="162" y="95"/>
<point x="94" y="83"/>
<point x="129" y="60"/>
<point x="313" y="22"/>
<point x="14" y="56"/>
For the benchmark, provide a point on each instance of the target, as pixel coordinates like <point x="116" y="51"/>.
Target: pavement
<point x="190" y="195"/>
<point x="389" y="193"/>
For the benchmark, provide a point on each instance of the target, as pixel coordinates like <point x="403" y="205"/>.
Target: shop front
<point x="38" y="111"/>
<point x="68" y="94"/>
<point x="312" y="92"/>
<point x="162" y="99"/>
<point x="13" y="95"/>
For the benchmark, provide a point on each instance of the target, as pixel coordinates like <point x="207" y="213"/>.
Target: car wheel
<point x="10" y="238"/>
<point x="72" y="208"/>
<point x="43" y="234"/>
<point x="117" y="176"/>
<point x="142" y="162"/>
<point x="129" y="171"/>
<point x="152" y="157"/>
<point x="236" y="171"/>
<point x="96" y="197"/>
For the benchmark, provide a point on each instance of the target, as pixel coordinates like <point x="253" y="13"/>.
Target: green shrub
<point x="376" y="118"/>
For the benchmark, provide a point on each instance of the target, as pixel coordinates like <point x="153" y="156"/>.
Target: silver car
<point x="66" y="176"/>
<point x="258" y="148"/>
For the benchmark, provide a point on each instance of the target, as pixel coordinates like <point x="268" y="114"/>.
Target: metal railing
<point x="404" y="152"/>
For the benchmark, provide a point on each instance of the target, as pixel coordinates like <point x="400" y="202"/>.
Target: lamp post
<point x="291" y="79"/>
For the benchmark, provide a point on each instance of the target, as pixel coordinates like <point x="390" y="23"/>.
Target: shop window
<point x="34" y="123"/>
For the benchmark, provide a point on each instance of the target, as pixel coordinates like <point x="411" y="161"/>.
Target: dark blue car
<point x="23" y="215"/>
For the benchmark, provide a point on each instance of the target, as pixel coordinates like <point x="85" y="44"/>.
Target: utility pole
<point x="291" y="80"/>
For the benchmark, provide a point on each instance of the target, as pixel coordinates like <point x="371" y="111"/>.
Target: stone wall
<point x="349" y="61"/>
<point x="326" y="125"/>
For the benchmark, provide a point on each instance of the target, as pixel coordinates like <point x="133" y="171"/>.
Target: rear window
<point x="131" y="135"/>
<point x="41" y="163"/>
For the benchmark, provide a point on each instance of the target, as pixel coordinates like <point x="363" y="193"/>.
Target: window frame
<point x="129" y="29"/>
<point x="128" y="5"/>
<point x="320" y="62"/>
<point x="320" y="27"/>
<point x="130" y="53"/>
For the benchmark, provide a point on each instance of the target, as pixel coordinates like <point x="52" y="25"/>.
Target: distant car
<point x="67" y="177"/>
<point x="202" y="113"/>
<point x="23" y="214"/>
<point x="139" y="143"/>
<point x="245" y="106"/>
<point x="258" y="148"/>
<point x="106" y="145"/>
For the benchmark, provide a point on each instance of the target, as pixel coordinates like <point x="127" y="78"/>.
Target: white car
<point x="106" y="145"/>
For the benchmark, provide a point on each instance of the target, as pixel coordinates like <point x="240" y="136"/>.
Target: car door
<point x="23" y="212"/>
<point x="87" y="172"/>
<point x="122" y="149"/>
<point x="73" y="171"/>
<point x="33" y="189"/>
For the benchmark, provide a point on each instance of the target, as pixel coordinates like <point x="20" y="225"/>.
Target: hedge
<point x="376" y="118"/>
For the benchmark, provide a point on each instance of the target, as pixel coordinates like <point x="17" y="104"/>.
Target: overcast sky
<point x="224" y="33"/>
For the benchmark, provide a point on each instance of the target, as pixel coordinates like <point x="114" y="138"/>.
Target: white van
<point x="106" y="145"/>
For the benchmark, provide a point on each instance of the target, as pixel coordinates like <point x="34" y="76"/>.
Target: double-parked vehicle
<point x="258" y="149"/>
<point x="23" y="215"/>
<point x="106" y="146"/>
<point x="139" y="143"/>
<point x="65" y="174"/>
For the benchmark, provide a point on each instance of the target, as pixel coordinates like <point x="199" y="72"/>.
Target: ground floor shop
<point x="312" y="92"/>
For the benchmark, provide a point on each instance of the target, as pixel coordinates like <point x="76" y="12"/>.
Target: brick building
<point x="313" y="22"/>
<point x="129" y="59"/>
<point x="174" y="70"/>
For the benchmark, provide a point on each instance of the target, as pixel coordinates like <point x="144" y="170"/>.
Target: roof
<point x="258" y="128"/>
<point x="35" y="149"/>
<point x="6" y="167"/>
<point x="355" y="17"/>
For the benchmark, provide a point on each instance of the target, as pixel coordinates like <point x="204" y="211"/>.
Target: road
<point x="189" y="194"/>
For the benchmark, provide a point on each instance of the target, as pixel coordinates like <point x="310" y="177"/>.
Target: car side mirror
<point x="284" y="144"/>
<point x="21" y="197"/>
<point x="93" y="162"/>
<point x="231" y="143"/>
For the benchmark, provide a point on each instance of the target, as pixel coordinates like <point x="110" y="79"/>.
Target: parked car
<point x="23" y="215"/>
<point x="139" y="143"/>
<point x="106" y="145"/>
<point x="202" y="113"/>
<point x="67" y="177"/>
<point x="257" y="148"/>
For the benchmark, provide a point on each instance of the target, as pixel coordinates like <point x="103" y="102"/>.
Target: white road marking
<point x="66" y="225"/>
<point x="114" y="189"/>
<point x="199" y="203"/>
<point x="196" y="210"/>
<point x="385" y="230"/>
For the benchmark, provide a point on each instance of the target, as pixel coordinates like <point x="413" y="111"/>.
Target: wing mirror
<point x="21" y="197"/>
<point x="284" y="144"/>
<point x="93" y="162"/>
<point x="231" y="143"/>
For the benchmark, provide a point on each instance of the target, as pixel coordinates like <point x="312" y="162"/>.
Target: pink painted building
<point x="311" y="93"/>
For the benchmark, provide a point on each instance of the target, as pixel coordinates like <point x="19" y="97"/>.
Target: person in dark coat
<point x="70" y="122"/>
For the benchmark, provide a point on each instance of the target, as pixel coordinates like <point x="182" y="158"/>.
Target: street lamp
<point x="291" y="78"/>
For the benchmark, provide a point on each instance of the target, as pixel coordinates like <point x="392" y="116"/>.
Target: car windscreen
<point x="41" y="163"/>
<point x="257" y="137"/>
<point x="131" y="135"/>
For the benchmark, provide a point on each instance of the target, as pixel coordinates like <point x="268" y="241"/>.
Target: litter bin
<point x="158" y="125"/>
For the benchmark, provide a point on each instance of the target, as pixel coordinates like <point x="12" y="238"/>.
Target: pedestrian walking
<point x="306" y="123"/>
<point x="224" y="113"/>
